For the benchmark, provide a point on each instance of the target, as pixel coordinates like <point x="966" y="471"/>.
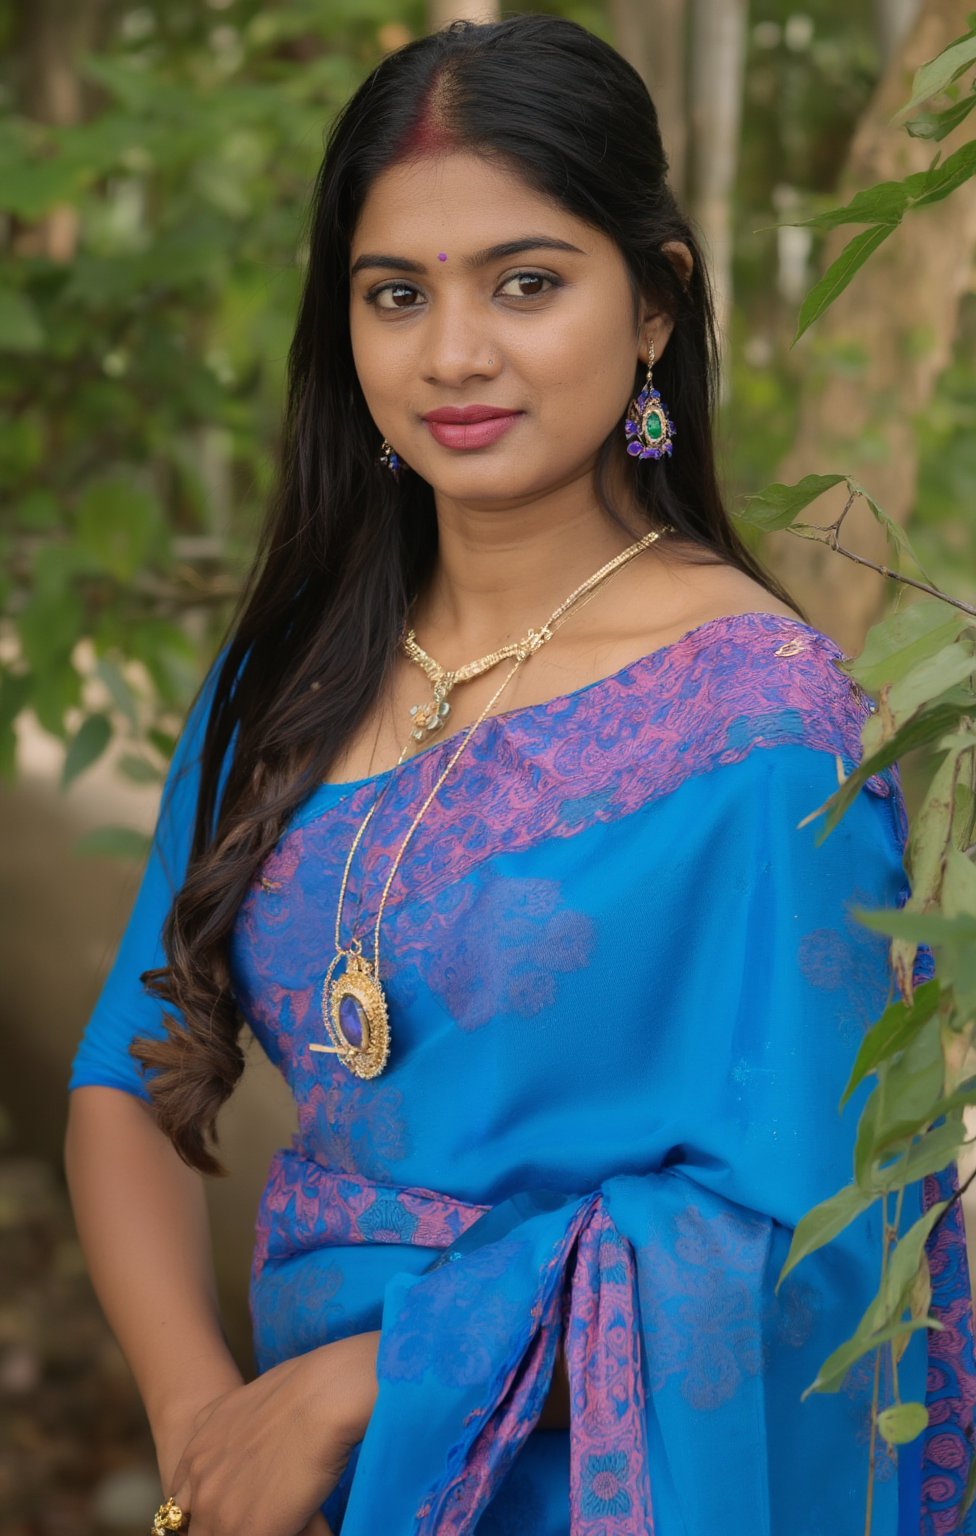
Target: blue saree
<point x="625" y="993"/>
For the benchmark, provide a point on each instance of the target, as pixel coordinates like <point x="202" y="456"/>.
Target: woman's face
<point x="439" y="318"/>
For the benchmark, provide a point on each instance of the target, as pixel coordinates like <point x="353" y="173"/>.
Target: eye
<point x="531" y="277"/>
<point x="395" y="290"/>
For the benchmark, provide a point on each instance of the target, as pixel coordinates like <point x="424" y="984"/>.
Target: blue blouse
<point x="625" y="992"/>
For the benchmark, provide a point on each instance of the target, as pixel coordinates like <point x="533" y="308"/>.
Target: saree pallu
<point x="626" y="988"/>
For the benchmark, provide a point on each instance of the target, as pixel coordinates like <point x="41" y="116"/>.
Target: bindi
<point x="441" y="256"/>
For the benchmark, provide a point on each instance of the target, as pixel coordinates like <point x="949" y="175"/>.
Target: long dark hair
<point x="346" y="548"/>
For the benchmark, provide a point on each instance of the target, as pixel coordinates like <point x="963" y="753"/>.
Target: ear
<point x="657" y="322"/>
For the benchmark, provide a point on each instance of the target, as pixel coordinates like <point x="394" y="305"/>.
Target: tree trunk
<point x="900" y="312"/>
<point x="718" y="46"/>
<point x="51" y="35"/>
<point x="892" y="19"/>
<point x="652" y="38"/>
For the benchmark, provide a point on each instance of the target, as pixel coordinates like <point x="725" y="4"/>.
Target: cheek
<point x="593" y="366"/>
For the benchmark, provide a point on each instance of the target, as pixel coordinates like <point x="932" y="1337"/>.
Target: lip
<point x="471" y="434"/>
<point x="462" y="414"/>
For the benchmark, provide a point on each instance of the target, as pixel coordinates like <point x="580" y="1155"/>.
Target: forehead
<point x="457" y="201"/>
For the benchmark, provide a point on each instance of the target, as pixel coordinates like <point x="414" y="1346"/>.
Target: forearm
<point x="142" y="1221"/>
<point x="351" y="1363"/>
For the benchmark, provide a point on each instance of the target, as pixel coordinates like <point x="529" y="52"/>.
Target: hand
<point x="317" y="1526"/>
<point x="265" y="1455"/>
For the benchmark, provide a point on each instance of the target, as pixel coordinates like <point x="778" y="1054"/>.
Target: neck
<point x="503" y="570"/>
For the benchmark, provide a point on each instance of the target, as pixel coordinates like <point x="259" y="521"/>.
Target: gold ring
<point x="169" y="1517"/>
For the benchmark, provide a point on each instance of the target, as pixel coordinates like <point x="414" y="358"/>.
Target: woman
<point x="565" y="995"/>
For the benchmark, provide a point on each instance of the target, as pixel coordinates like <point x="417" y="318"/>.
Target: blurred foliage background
<point x="155" y="161"/>
<point x="155" y="164"/>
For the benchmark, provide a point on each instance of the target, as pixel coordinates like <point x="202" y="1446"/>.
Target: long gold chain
<point x="524" y="648"/>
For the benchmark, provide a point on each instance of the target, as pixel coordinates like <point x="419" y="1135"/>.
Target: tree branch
<point x="827" y="533"/>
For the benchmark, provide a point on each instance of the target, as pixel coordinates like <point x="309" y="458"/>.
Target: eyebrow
<point x="479" y="259"/>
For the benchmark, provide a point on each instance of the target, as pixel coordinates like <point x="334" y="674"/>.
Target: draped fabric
<point x="625" y="989"/>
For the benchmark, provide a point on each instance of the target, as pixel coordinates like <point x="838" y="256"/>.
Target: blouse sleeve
<point x="686" y="1364"/>
<point x="124" y="1009"/>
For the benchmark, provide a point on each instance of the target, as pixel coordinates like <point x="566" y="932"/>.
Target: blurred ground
<point x="76" y="1458"/>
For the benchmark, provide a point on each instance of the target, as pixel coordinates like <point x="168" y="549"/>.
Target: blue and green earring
<point x="648" y="426"/>
<point x="390" y="459"/>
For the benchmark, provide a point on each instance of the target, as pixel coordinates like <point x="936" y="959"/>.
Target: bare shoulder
<point x="697" y="590"/>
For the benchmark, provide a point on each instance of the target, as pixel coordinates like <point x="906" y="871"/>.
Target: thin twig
<point x="872" y="1444"/>
<point x="884" y="570"/>
<point x="876" y="1387"/>
<point x="953" y="1198"/>
<point x="827" y="533"/>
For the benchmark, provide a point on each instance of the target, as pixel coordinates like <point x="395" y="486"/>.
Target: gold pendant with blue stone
<point x="355" y="1014"/>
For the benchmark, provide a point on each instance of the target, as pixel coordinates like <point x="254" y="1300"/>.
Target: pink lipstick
<point x="469" y="426"/>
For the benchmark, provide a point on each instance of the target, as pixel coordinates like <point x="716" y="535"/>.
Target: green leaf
<point x="15" y="695"/>
<point x="119" y="524"/>
<point x="169" y="656"/>
<point x="901" y="1270"/>
<point x="777" y="505"/>
<point x="929" y="725"/>
<point x="959" y="885"/>
<point x="38" y="511"/>
<point x="823" y="1223"/>
<point x="931" y="833"/>
<point x="56" y="690"/>
<point x="163" y="741"/>
<point x="937" y="182"/>
<point x="34" y="186"/>
<point x="938" y="125"/>
<point x="903" y="1422"/>
<point x="903" y="639"/>
<point x="50" y="623"/>
<point x="139" y="770"/>
<point x="830" y="1377"/>
<point x="931" y="678"/>
<point x="838" y="275"/>
<point x="87" y="745"/>
<point x="119" y="690"/>
<point x="53" y="618"/>
<point x="22" y="438"/>
<point x="920" y="1296"/>
<point x="898" y="540"/>
<point x="867" y="1137"/>
<point x="20" y="327"/>
<point x="113" y="843"/>
<point x="926" y="927"/>
<point x="931" y="1153"/>
<point x="933" y="76"/>
<point x="903" y="1131"/>
<point x="892" y="1032"/>
<point x="884" y="203"/>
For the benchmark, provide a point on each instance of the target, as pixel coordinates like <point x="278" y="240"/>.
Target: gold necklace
<point x="354" y="1008"/>
<point x="430" y="717"/>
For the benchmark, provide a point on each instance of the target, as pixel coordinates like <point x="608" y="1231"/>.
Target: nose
<point x="458" y="344"/>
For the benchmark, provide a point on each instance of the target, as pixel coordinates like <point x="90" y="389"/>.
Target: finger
<point x="181" y="1497"/>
